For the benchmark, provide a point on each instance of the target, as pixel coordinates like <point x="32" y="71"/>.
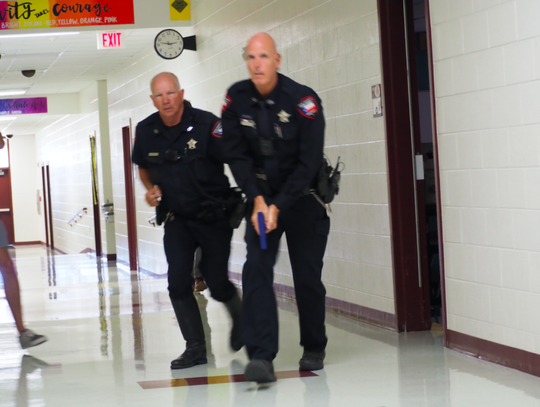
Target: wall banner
<point x="66" y="13"/>
<point x="23" y="106"/>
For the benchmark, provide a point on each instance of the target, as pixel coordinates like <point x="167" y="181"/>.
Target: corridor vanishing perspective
<point x="112" y="334"/>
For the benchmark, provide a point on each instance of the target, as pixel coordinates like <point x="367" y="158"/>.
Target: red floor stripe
<point x="207" y="380"/>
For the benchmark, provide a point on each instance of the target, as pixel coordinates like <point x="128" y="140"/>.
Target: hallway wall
<point x="487" y="82"/>
<point x="332" y="46"/>
<point x="25" y="182"/>
<point x="65" y="146"/>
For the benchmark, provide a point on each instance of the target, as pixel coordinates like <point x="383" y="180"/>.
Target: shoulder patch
<point x="217" y="131"/>
<point x="308" y="107"/>
<point x="226" y="103"/>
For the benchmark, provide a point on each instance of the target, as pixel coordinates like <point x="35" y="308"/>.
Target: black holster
<point x="161" y="215"/>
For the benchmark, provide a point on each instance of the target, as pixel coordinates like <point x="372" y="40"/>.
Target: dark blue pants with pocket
<point x="306" y="226"/>
<point x="181" y="239"/>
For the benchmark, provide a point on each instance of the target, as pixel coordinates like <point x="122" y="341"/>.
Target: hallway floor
<point x="112" y="336"/>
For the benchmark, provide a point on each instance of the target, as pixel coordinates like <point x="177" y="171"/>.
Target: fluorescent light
<point x="56" y="34"/>
<point x="6" y="118"/>
<point x="13" y="92"/>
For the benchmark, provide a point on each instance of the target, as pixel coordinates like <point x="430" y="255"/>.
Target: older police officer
<point x="273" y="129"/>
<point x="178" y="151"/>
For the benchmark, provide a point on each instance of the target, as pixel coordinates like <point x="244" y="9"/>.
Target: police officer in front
<point x="273" y="129"/>
<point x="179" y="154"/>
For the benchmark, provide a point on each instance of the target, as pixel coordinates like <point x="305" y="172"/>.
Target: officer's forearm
<point x="146" y="179"/>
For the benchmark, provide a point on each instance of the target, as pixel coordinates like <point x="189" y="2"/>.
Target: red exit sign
<point x="110" y="39"/>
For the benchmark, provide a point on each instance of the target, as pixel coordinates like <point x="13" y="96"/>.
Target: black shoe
<point x="195" y="354"/>
<point x="312" y="361"/>
<point x="260" y="371"/>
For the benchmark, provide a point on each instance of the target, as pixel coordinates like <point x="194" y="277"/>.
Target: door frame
<point x="411" y="279"/>
<point x="47" y="205"/>
<point x="10" y="224"/>
<point x="131" y="214"/>
<point x="95" y="196"/>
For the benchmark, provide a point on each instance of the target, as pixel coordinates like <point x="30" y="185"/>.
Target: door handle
<point x="5" y="210"/>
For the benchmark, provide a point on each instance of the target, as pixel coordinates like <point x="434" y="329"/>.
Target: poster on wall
<point x="23" y="106"/>
<point x="180" y="10"/>
<point x="64" y="13"/>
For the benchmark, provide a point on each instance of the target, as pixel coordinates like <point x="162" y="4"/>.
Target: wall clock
<point x="169" y="44"/>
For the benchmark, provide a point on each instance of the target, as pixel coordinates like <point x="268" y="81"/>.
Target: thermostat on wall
<point x="376" y="97"/>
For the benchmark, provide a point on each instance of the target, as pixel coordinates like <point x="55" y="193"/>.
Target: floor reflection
<point x="111" y="330"/>
<point x="102" y="304"/>
<point x="30" y="372"/>
<point x="137" y="322"/>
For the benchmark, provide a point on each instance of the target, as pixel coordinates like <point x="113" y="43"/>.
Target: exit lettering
<point x="111" y="40"/>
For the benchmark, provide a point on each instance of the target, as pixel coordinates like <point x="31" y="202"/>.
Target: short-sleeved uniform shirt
<point x="292" y="130"/>
<point x="177" y="155"/>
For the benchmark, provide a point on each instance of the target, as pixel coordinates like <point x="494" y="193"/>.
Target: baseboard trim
<point x="494" y="352"/>
<point x="371" y="316"/>
<point x="37" y="242"/>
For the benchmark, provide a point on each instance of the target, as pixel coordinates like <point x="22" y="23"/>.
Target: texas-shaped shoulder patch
<point x="217" y="131"/>
<point x="308" y="107"/>
<point x="226" y="103"/>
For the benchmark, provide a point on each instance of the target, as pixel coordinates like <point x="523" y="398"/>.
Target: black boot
<point x="234" y="305"/>
<point x="189" y="318"/>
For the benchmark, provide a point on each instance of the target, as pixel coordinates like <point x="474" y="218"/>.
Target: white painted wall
<point x="65" y="146"/>
<point x="487" y="85"/>
<point x="330" y="45"/>
<point x="25" y="183"/>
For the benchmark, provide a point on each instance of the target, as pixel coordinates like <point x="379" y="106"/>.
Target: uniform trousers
<point x="181" y="239"/>
<point x="306" y="226"/>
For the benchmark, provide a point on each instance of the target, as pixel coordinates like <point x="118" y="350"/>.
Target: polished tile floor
<point x="112" y="336"/>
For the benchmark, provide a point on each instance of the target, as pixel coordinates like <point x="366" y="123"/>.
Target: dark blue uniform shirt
<point x="281" y="137"/>
<point x="170" y="153"/>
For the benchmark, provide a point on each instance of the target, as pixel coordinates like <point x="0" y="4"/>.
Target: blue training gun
<point x="262" y="230"/>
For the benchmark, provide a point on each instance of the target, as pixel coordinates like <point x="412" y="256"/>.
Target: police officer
<point x="273" y="129"/>
<point x="178" y="151"/>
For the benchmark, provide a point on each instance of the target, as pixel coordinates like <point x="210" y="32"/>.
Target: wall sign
<point x="64" y="13"/>
<point x="180" y="10"/>
<point x="23" y="106"/>
<point x="110" y="39"/>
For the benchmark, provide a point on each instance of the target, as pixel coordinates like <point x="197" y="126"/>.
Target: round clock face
<point x="169" y="44"/>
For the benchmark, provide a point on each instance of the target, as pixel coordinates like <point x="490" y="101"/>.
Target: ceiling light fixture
<point x="56" y="34"/>
<point x="12" y="92"/>
<point x="6" y="119"/>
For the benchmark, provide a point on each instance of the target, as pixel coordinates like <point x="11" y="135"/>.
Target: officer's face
<point x="263" y="62"/>
<point x="168" y="99"/>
